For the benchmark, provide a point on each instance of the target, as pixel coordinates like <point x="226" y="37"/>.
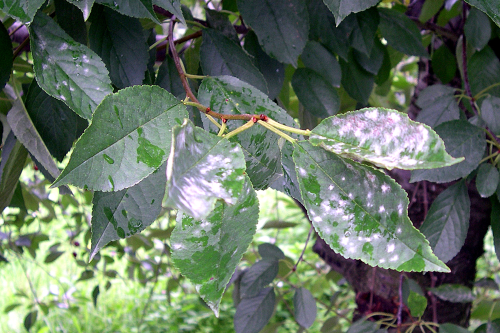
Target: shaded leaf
<point x="364" y="29"/>
<point x="252" y="314"/>
<point x="208" y="251"/>
<point x="22" y="10"/>
<point x="484" y="71"/>
<point x="490" y="113"/>
<point x="429" y="9"/>
<point x="342" y="8"/>
<point x="13" y="158"/>
<point x="258" y="276"/>
<point x="444" y="64"/>
<point x="373" y="61"/>
<point x="384" y="137"/>
<point x="121" y="214"/>
<point x="363" y="326"/>
<point x="6" y="59"/>
<point x="461" y="139"/>
<point x="495" y="225"/>
<point x="477" y="28"/>
<point x="134" y="8"/>
<point x="169" y="79"/>
<point x="201" y="169"/>
<point x="288" y="183"/>
<point x="490" y="7"/>
<point x="220" y="21"/>
<point x="128" y="139"/>
<point x="360" y="212"/>
<point x="452" y="328"/>
<point x="71" y="20"/>
<point x="438" y="105"/>
<point x="417" y="304"/>
<point x="270" y="251"/>
<point x="281" y="26"/>
<point x="173" y="6"/>
<point x="455" y="293"/>
<point x="487" y="179"/>
<point x="316" y="57"/>
<point x="84" y="5"/>
<point x="67" y="70"/>
<point x="355" y="80"/>
<point x="447" y="221"/>
<point x="304" y="306"/>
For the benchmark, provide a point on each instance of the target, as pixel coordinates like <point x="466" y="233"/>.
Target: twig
<point x="20" y="47"/>
<point x="400" y="306"/>
<point x="303" y="250"/>
<point x="157" y="273"/>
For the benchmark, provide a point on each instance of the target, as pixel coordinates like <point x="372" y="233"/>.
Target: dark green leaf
<point x="374" y="60"/>
<point x="417" y="304"/>
<point x="461" y="139"/>
<point x="229" y="95"/>
<point x="95" y="294"/>
<point x="429" y="9"/>
<point x="128" y="139"/>
<point x="220" y="21"/>
<point x="317" y="95"/>
<point x="67" y="70"/>
<point x="452" y="328"/>
<point x="438" y="105"/>
<point x="173" y="6"/>
<point x="360" y="212"/>
<point x="484" y="71"/>
<point x="30" y="320"/>
<point x="495" y="225"/>
<point x="6" y="59"/>
<point x="86" y="275"/>
<point x="208" y="251"/>
<point x="356" y="81"/>
<point x="201" y="169"/>
<point x="252" y="314"/>
<point x="342" y="8"/>
<point x="365" y="26"/>
<point x="120" y="42"/>
<point x="304" y="306"/>
<point x="169" y="79"/>
<point x="270" y="251"/>
<point x="490" y="7"/>
<point x="13" y="158"/>
<point x="277" y="224"/>
<point x="57" y="124"/>
<point x="490" y="113"/>
<point x="384" y="137"/>
<point x="11" y="307"/>
<point x="53" y="256"/>
<point x="477" y="29"/>
<point x="319" y="59"/>
<point x="127" y="212"/>
<point x="22" y="10"/>
<point x="84" y="5"/>
<point x="487" y="180"/>
<point x="401" y="32"/>
<point x="281" y="26"/>
<point x="455" y="293"/>
<point x="221" y="56"/>
<point x="444" y="64"/>
<point x="258" y="276"/>
<point x="288" y="183"/>
<point x="134" y="8"/>
<point x="447" y="221"/>
<point x="71" y="20"/>
<point x="363" y="326"/>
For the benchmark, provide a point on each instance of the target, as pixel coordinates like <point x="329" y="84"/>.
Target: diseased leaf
<point x="342" y="8"/>
<point x="360" y="212"/>
<point x="252" y="314"/>
<point x="21" y="9"/>
<point x="67" y="70"/>
<point x="484" y="71"/>
<point x="13" y="158"/>
<point x="438" y="105"/>
<point x="221" y="56"/>
<point x="487" y="180"/>
<point x="173" y="6"/>
<point x="490" y="7"/>
<point x="477" y="29"/>
<point x="134" y="8"/>
<point x="490" y="113"/>
<point x="258" y="276"/>
<point x="207" y="251"/>
<point x="201" y="169"/>
<point x="319" y="59"/>
<point x="304" y="306"/>
<point x="461" y="139"/>
<point x="447" y="221"/>
<point x="281" y="26"/>
<point x="455" y="293"/>
<point x="355" y="80"/>
<point x="128" y="139"/>
<point x="384" y="137"/>
<point x="228" y="95"/>
<point x="84" y="5"/>
<point x="6" y="59"/>
<point x="127" y="212"/>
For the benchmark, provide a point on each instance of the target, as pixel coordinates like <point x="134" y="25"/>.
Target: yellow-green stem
<point x="199" y="25"/>
<point x="193" y="76"/>
<point x="239" y="129"/>
<point x="158" y="42"/>
<point x="277" y="131"/>
<point x="212" y="119"/>
<point x="482" y="92"/>
<point x="288" y="128"/>
<point x="222" y="129"/>
<point x="201" y="107"/>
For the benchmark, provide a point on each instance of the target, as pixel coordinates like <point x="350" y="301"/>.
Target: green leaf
<point x="417" y="304"/>
<point x="288" y="183"/>
<point x="252" y="314"/>
<point x="484" y="71"/>
<point x="452" y="328"/>
<point x="258" y="276"/>
<point x="319" y="59"/>
<point x="21" y="9"/>
<point x="281" y="26"/>
<point x="384" y="137"/>
<point x="373" y="61"/>
<point x="304" y="306"/>
<point x="447" y="221"/>
<point x="364" y="29"/>
<point x="67" y="70"/>
<point x="278" y="224"/>
<point x="317" y="95"/>
<point x="128" y="139"/>
<point x="120" y="42"/>
<point x="495" y="225"/>
<point x="13" y="158"/>
<point x="95" y="294"/>
<point x="490" y="113"/>
<point x="71" y="20"/>
<point x="221" y="56"/>
<point x="487" y="180"/>
<point x="84" y="5"/>
<point x="444" y="64"/>
<point x="438" y="105"/>
<point x="342" y="8"/>
<point x="134" y="8"/>
<point x="455" y="293"/>
<point x="173" y="6"/>
<point x="477" y="29"/>
<point x="228" y="95"/>
<point x="6" y="59"/>
<point x="461" y="139"/>
<point x="363" y="326"/>
<point x="270" y="251"/>
<point x="121" y="214"/>
<point x="30" y="320"/>
<point x="169" y="79"/>
<point x="201" y="169"/>
<point x="490" y="7"/>
<point x="220" y="21"/>
<point x="207" y="251"/>
<point x="360" y="212"/>
<point x="429" y="9"/>
<point x="355" y="80"/>
<point x="401" y="33"/>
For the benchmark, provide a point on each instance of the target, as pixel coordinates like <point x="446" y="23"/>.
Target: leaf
<point x="429" y="9"/>
<point x="316" y="57"/>
<point x="252" y="314"/>
<point x="373" y="61"/>
<point x="220" y="21"/>
<point x="84" y="5"/>
<point x="490" y="7"/>
<point x="208" y="251"/>
<point x="477" y="29"/>
<point x="461" y="139"/>
<point x="281" y="26"/>
<point x="487" y="180"/>
<point x="221" y="56"/>
<point x="384" y="137"/>
<point x="67" y="70"/>
<point x="455" y="293"/>
<point x="169" y="79"/>
<point x="228" y="95"/>
<point x="444" y="64"/>
<point x="363" y="326"/>
<point x="56" y="123"/>
<point x="95" y="294"/>
<point x="417" y="304"/>
<point x="134" y="8"/>
<point x="128" y="139"/>
<point x="121" y="214"/>
<point x="484" y="71"/>
<point x="355" y="80"/>
<point x="490" y="113"/>
<point x="277" y="224"/>
<point x="258" y="276"/>
<point x="270" y="251"/>
<point x="317" y="95"/>
<point x="495" y="225"/>
<point x="452" y="328"/>
<point x="30" y="320"/>
<point x="173" y="6"/>
<point x="52" y="256"/>
<point x="342" y="8"/>
<point x="71" y="20"/>
<point x="365" y="26"/>
<point x="6" y="58"/>
<point x="438" y="105"/>
<point x="21" y="9"/>
<point x="201" y="169"/>
<point x="401" y="33"/>
<point x="288" y="183"/>
<point x="121" y="43"/>
<point x="304" y="306"/>
<point x="360" y="212"/>
<point x="13" y="159"/>
<point x="447" y="221"/>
